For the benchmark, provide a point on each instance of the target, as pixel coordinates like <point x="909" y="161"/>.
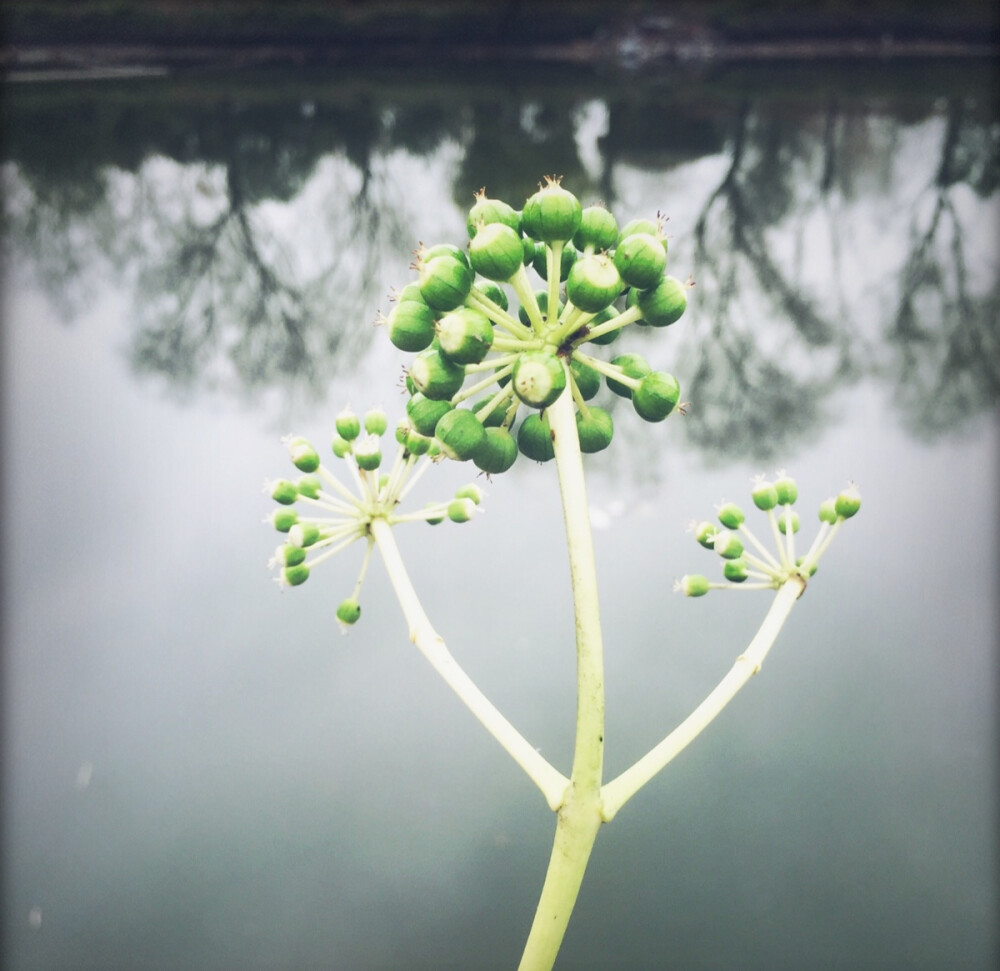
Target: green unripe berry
<point x="828" y="511"/>
<point x="424" y="413"/>
<point x="598" y="229"/>
<point x="497" y="453"/>
<point x="539" y="378"/>
<point x="595" y="431"/>
<point x="656" y="396"/>
<point x="486" y="211"/>
<point x="348" y="611"/>
<point x="588" y="381"/>
<point x="731" y="516"/>
<point x="552" y="214"/>
<point x="465" y="336"/>
<point x="663" y="304"/>
<point x="494" y="418"/>
<point x="410" y="292"/>
<point x="634" y="366"/>
<point x="449" y="250"/>
<point x="434" y="520"/>
<point x="693" y="585"/>
<point x="812" y="569"/>
<point x="402" y="431"/>
<point x="411" y="325"/>
<point x="417" y="444"/>
<point x="530" y="248"/>
<point x="304" y="456"/>
<point x="368" y="453"/>
<point x="284" y="492"/>
<point x="348" y="425"/>
<point x="497" y="294"/>
<point x="461" y="510"/>
<point x="764" y="495"/>
<point x="435" y="375"/>
<point x="593" y="283"/>
<point x="542" y="298"/>
<point x="848" y="502"/>
<point x="284" y="519"/>
<point x="787" y="489"/>
<point x="641" y="260"/>
<point x="470" y="491"/>
<point x="445" y="282"/>
<point x="309" y="486"/>
<point x="295" y="575"/>
<point x="534" y="438"/>
<point x="376" y="422"/>
<point x="567" y="259"/>
<point x="728" y="545"/>
<point x="705" y="533"/>
<point x="496" y="251"/>
<point x="303" y="534"/>
<point x="788" y="519"/>
<point x="459" y="433"/>
<point x="340" y="447"/>
<point x="646" y="226"/>
<point x="612" y="335"/>
<point x="291" y="555"/>
<point x="736" y="570"/>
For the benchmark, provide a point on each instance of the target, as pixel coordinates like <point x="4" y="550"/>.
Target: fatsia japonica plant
<point x="510" y="336"/>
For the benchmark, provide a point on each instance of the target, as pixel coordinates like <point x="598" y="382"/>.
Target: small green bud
<point x="304" y="456"/>
<point x="435" y="375"/>
<point x="303" y="534"/>
<point x="284" y="519"/>
<point x="290" y="555"/>
<point x="693" y="585"/>
<point x="459" y="433"/>
<point x="424" y="414"/>
<point x="598" y="229"/>
<point x="465" y="335"/>
<point x="340" y="447"/>
<point x="788" y="518"/>
<point x="348" y="611"/>
<point x="705" y="533"/>
<point x="348" y="425"/>
<point x="445" y="281"/>
<point x="848" y="502"/>
<point x="567" y="259"/>
<point x="470" y="491"/>
<point x="593" y="283"/>
<point x="376" y="422"/>
<point x="588" y="381"/>
<point x="735" y="570"/>
<point x="534" y="438"/>
<point x="828" y="511"/>
<point x="410" y="325"/>
<point x="612" y="335"/>
<point x="634" y="366"/>
<point x="640" y="260"/>
<point x="656" y="396"/>
<point x="295" y="575"/>
<point x="595" y="431"/>
<point x="461" y="510"/>
<point x="764" y="495"/>
<point x="486" y="211"/>
<point x="812" y="569"/>
<point x="497" y="453"/>
<point x="646" y="226"/>
<point x="417" y="444"/>
<point x="542" y="298"/>
<point x="663" y="304"/>
<point x="309" y="486"/>
<point x="492" y="292"/>
<point x="434" y="520"/>
<point x="728" y="545"/>
<point x="496" y="251"/>
<point x="552" y="214"/>
<point x="787" y="489"/>
<point x="402" y="431"/>
<point x="731" y="516"/>
<point x="284" y="492"/>
<point x="539" y="378"/>
<point x="368" y="453"/>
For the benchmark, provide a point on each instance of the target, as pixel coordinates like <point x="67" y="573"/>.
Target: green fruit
<point x="534" y="438"/>
<point x="634" y="366"/>
<point x="542" y="297"/>
<point x="492" y="292"/>
<point x="424" y="414"/>
<point x="459" y="433"/>
<point x="638" y="226"/>
<point x="495" y="418"/>
<point x="656" y="396"/>
<point x="731" y="516"/>
<point x="566" y="260"/>
<point x="595" y="431"/>
<point x="497" y="453"/>
<point x="663" y="304"/>
<point x="284" y="492"/>
<point x="465" y="336"/>
<point x="735" y="570"/>
<point x="486" y="211"/>
<point x="600" y="318"/>
<point x="641" y="260"/>
<point x="437" y="377"/>
<point x="588" y="381"/>
<point x="496" y="251"/>
<point x="445" y="249"/>
<point x="348" y="611"/>
<point x="539" y="378"/>
<point x="445" y="281"/>
<point x="593" y="283"/>
<point x="598" y="229"/>
<point x="848" y="502"/>
<point x="552" y="214"/>
<point x="411" y="325"/>
<point x="304" y="457"/>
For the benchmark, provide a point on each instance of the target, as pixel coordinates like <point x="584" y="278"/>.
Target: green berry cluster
<point x="320" y="515"/>
<point x="747" y="563"/>
<point x="495" y="348"/>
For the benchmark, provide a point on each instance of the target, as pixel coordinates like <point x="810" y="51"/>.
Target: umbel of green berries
<point x="505" y="326"/>
<point x="319" y="514"/>
<point x="747" y="563"/>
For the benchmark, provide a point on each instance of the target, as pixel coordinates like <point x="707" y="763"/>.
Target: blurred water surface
<point x="201" y="773"/>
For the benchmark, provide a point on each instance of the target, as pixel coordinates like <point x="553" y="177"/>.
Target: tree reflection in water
<point x="257" y="242"/>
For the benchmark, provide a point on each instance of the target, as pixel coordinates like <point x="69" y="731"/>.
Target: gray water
<point x="202" y="772"/>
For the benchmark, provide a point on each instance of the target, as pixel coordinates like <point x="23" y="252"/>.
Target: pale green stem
<point x="617" y="792"/>
<point x="761" y="548"/>
<point x="552" y="783"/>
<point x="553" y="270"/>
<point x="616" y="323"/>
<point x="522" y="287"/>
<point x="579" y="817"/>
<point x="479" y="301"/>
